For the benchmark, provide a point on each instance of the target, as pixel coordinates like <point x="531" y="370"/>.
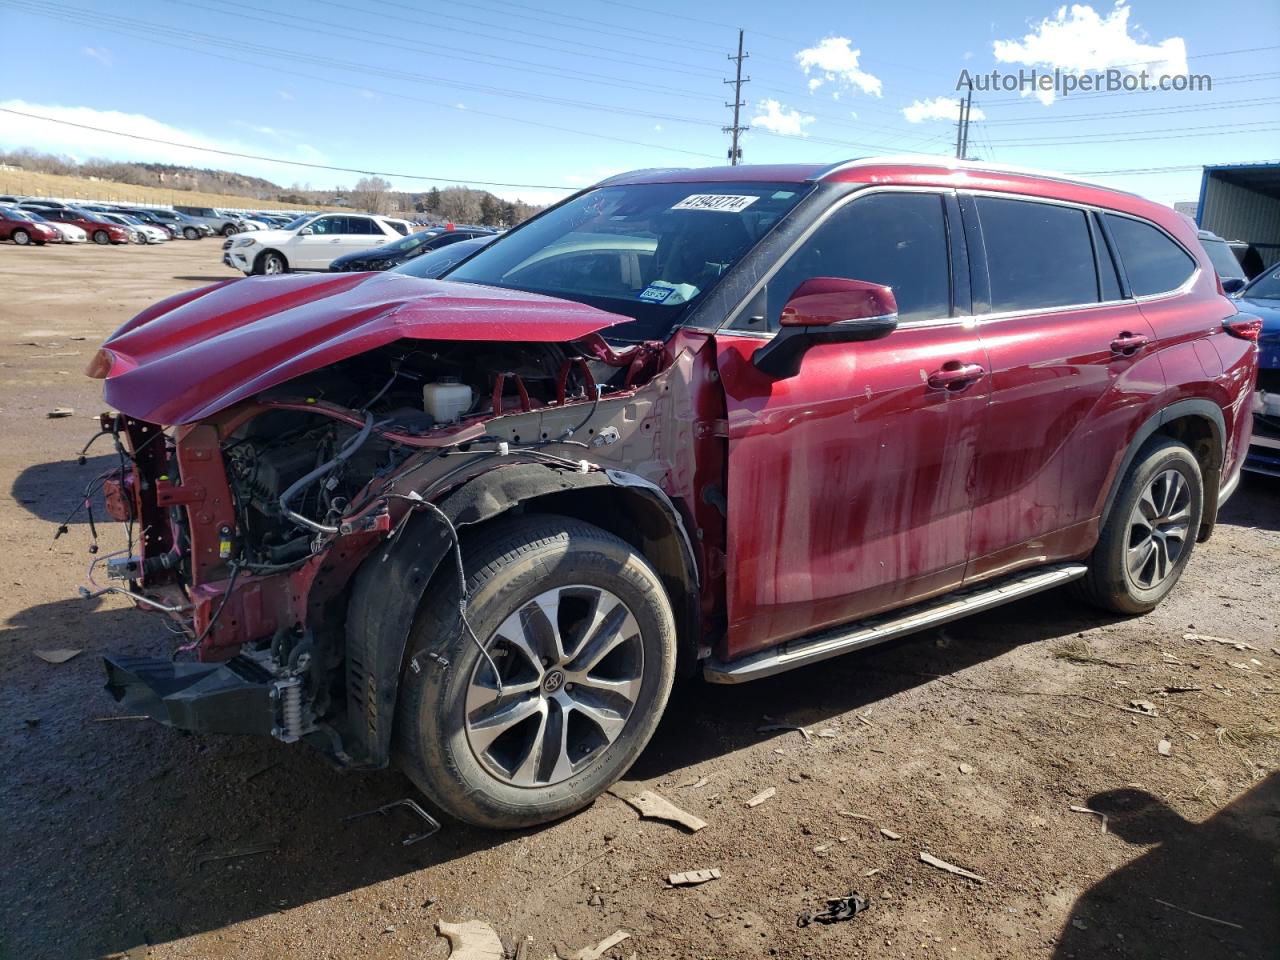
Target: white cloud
<point x="368" y="95"/>
<point x="81" y="144"/>
<point x="657" y="127"/>
<point x="1078" y="39"/>
<point x="101" y="54"/>
<point x="285" y="95"/>
<point x="834" y="62"/>
<point x="778" y="119"/>
<point x="939" y="108"/>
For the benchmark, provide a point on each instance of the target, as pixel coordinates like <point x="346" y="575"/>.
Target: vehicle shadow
<point x="1205" y="890"/>
<point x="1255" y="504"/>
<point x="52" y="491"/>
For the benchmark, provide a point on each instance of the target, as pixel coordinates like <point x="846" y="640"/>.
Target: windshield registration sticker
<point x="715" y="202"/>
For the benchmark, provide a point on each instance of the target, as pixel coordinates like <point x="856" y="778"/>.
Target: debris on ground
<point x="837" y="910"/>
<point x="1165" y="748"/>
<point x="471" y="940"/>
<point x="133" y="716"/>
<point x="694" y="784"/>
<point x="59" y="655"/>
<point x="239" y="853"/>
<point x="1178" y="688"/>
<point x="57" y="413"/>
<point x="872" y="872"/>
<point x="889" y="834"/>
<point x="854" y="816"/>
<point x="761" y="797"/>
<point x="933" y="861"/>
<point x="600" y="949"/>
<point x="595" y="900"/>
<point x="1200" y="916"/>
<point x="1096" y="813"/>
<point x="827" y="733"/>
<point x="651" y="806"/>
<point x="692" y="878"/>
<point x="774" y="726"/>
<point x="1226" y="641"/>
<point x="1144" y="706"/>
<point x="433" y="825"/>
<point x="965" y="768"/>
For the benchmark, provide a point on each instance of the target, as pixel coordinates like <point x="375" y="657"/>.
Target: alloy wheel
<point x="21" y="238"/>
<point x="571" y="663"/>
<point x="272" y="265"/>
<point x="1158" y="529"/>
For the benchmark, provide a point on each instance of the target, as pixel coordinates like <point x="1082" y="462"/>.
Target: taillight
<point x="1244" y="326"/>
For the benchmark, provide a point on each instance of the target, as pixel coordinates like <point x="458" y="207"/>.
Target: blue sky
<point x="558" y="94"/>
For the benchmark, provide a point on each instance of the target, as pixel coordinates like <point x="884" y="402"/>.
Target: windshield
<point x="299" y="222"/>
<point x="434" y="263"/>
<point x="1224" y="261"/>
<point x="1266" y="286"/>
<point x="412" y="242"/>
<point x="20" y="214"/>
<point x="646" y="251"/>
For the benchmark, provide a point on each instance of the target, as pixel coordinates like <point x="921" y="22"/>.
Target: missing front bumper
<point x="238" y="696"/>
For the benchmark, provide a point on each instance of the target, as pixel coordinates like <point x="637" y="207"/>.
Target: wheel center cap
<point x="553" y="681"/>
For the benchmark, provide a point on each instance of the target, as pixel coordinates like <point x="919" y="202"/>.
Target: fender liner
<point x="1194" y="407"/>
<point x="392" y="582"/>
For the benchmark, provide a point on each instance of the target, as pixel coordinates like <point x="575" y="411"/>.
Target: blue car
<point x="1262" y="299"/>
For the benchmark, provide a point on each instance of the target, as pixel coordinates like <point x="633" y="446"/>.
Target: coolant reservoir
<point x="446" y="399"/>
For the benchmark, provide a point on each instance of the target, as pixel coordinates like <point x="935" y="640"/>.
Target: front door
<point x="850" y="484"/>
<point x="317" y="249"/>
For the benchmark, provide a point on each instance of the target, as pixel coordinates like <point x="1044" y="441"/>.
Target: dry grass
<point x="1077" y="650"/>
<point x="27" y="183"/>
<point x="1248" y="734"/>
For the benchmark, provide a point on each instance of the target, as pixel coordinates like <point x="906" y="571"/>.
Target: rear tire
<point x="1150" y="532"/>
<point x="573" y="714"/>
<point x="101" y="237"/>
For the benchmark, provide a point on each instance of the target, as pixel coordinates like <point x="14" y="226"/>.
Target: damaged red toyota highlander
<point x="731" y="421"/>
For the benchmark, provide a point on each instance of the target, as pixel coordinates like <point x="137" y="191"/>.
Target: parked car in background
<point x="1262" y="299"/>
<point x="48" y="204"/>
<point x="23" y="229"/>
<point x="735" y="420"/>
<point x="311" y="243"/>
<point x="182" y="225"/>
<point x="68" y="232"/>
<point x="218" y="221"/>
<point x="98" y="229"/>
<point x="142" y="232"/>
<point x="148" y="217"/>
<point x="403" y="250"/>
<point x="436" y="263"/>
<point x="1230" y="272"/>
<point x="1250" y="257"/>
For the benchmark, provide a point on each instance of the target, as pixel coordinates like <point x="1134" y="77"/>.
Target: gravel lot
<point x="970" y="744"/>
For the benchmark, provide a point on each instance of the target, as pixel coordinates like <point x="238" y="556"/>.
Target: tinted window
<point x="399" y="228"/>
<point x="1224" y="261"/>
<point x="1039" y="255"/>
<point x="895" y="239"/>
<point x="1152" y="262"/>
<point x="362" y="226"/>
<point x="329" y="225"/>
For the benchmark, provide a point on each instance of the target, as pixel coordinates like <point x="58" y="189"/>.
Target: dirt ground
<point x="971" y="744"/>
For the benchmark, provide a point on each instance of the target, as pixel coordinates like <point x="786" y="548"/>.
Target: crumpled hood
<point x="194" y="354"/>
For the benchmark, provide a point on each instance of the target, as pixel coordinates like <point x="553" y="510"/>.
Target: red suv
<point x="728" y="421"/>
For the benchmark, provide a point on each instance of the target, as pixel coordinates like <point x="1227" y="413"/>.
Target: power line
<point x="1075" y="117"/>
<point x="292" y="163"/>
<point x="1111" y="137"/>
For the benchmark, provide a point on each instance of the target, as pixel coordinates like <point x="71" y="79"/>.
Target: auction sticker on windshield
<point x="715" y="202"/>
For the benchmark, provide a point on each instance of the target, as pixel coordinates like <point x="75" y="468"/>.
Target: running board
<point x="889" y="626"/>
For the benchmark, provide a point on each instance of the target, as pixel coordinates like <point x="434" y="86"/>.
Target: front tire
<point x="21" y="238"/>
<point x="1148" y="537"/>
<point x="229" y="230"/>
<point x="582" y="634"/>
<point x="101" y="237"/>
<point x="270" y="264"/>
<point x="191" y="233"/>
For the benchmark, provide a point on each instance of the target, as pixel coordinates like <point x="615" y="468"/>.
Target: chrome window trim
<point x="1164" y="294"/>
<point x="732" y="315"/>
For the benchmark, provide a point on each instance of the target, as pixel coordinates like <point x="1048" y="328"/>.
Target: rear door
<point x="363" y="233"/>
<point x="1072" y="365"/>
<point x="850" y="484"/>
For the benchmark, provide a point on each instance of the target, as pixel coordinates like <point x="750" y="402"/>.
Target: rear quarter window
<point x="1152" y="261"/>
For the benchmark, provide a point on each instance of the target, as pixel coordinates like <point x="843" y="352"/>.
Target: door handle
<point x="335" y="240"/>
<point x="955" y="375"/>
<point x="1127" y="344"/>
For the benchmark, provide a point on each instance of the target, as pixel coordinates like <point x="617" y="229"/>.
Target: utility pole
<point x="735" y="152"/>
<point x="962" y="125"/>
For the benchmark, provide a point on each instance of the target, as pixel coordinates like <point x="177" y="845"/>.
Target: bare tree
<point x="370" y="194"/>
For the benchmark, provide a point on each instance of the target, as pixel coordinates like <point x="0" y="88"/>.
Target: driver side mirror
<point x="826" y="310"/>
<point x="305" y="232"/>
<point x="1233" y="285"/>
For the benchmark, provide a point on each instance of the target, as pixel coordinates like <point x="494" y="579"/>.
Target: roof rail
<point x="631" y="173"/>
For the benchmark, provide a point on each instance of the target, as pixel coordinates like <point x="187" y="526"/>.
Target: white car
<point x="309" y="244"/>
<point x="69" y="232"/>
<point x="146" y="231"/>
